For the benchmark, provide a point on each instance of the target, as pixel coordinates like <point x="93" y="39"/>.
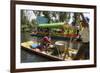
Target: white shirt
<point x="85" y="34"/>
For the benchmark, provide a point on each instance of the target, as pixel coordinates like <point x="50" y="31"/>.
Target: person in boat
<point x="45" y="42"/>
<point x="83" y="52"/>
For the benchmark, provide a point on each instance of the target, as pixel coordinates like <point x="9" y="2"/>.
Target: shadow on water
<point x="31" y="57"/>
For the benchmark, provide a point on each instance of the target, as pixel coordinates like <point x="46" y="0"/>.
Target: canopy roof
<point x="49" y="25"/>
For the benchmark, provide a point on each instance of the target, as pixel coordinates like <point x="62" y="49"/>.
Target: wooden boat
<point x="26" y="46"/>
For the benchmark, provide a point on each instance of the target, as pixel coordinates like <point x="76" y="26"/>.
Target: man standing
<point x="83" y="52"/>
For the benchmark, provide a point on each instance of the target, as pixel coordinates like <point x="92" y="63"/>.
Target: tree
<point x="24" y="21"/>
<point x="26" y="24"/>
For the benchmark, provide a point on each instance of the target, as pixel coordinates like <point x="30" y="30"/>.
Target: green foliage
<point x="70" y="31"/>
<point x="26" y="25"/>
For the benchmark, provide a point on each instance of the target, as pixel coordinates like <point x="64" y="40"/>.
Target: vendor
<point x="83" y="52"/>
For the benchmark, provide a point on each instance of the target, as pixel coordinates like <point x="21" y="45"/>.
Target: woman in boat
<point x="83" y="52"/>
<point x="45" y="42"/>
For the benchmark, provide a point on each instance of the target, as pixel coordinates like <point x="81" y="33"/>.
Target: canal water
<point x="27" y="57"/>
